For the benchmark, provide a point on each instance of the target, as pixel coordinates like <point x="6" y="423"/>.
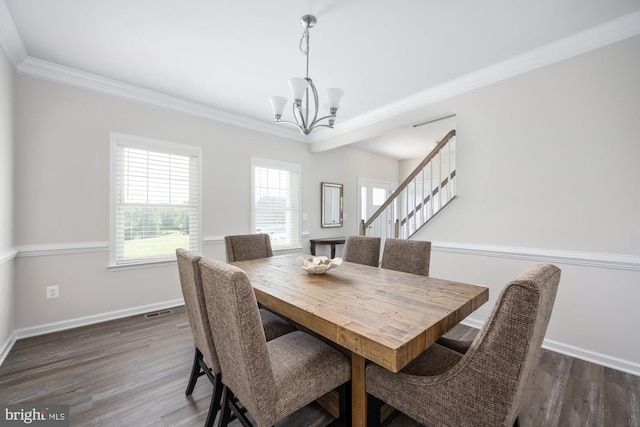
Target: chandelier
<point x="303" y="90"/>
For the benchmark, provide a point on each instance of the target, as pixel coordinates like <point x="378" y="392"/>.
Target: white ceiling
<point x="232" y="55"/>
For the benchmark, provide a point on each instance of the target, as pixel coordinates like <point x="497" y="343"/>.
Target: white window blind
<point x="156" y="187"/>
<point x="276" y="202"/>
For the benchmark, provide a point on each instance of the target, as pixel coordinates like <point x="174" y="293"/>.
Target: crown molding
<point x="596" y="37"/>
<point x="576" y="44"/>
<point x="45" y="70"/>
<point x="9" y="37"/>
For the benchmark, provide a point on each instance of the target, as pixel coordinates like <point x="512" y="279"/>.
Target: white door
<point x="371" y="195"/>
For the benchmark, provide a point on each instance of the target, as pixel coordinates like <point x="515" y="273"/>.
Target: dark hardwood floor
<point x="133" y="372"/>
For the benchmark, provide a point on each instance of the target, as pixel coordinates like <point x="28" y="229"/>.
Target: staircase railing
<point x="424" y="193"/>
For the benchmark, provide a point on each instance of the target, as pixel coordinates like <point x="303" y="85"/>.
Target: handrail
<point x="410" y="178"/>
<point x="445" y="181"/>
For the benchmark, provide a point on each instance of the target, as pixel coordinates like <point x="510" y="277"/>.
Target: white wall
<point x="549" y="160"/>
<point x="62" y="178"/>
<point x="7" y="76"/>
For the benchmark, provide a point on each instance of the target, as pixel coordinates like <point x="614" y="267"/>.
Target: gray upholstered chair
<point x="486" y="385"/>
<point x="205" y="360"/>
<point x="362" y="250"/>
<point x="241" y="247"/>
<point x="271" y="379"/>
<point x="410" y="256"/>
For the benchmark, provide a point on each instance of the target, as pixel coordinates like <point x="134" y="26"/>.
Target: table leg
<point x="358" y="391"/>
<point x="313" y="248"/>
<point x="333" y="250"/>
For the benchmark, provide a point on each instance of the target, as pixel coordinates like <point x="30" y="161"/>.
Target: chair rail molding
<point x="586" y="259"/>
<point x="7" y="255"/>
<point x="219" y="239"/>
<point x="48" y="249"/>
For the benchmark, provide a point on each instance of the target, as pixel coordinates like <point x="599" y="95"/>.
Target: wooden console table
<point x="333" y="241"/>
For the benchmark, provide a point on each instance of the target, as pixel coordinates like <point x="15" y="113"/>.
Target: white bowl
<point x="318" y="264"/>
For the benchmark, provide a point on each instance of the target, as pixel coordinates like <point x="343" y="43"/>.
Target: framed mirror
<point x="331" y="204"/>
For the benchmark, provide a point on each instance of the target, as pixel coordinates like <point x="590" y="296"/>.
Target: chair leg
<point x="231" y="410"/>
<point x="225" y="416"/>
<point x="373" y="411"/>
<point x="214" y="406"/>
<point x="239" y="413"/>
<point x="345" y="403"/>
<point x="205" y="370"/>
<point x="344" y="392"/>
<point x="195" y="372"/>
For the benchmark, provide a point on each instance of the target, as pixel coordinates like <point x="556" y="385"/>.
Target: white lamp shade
<point x="277" y="103"/>
<point x="297" y="85"/>
<point x="334" y="95"/>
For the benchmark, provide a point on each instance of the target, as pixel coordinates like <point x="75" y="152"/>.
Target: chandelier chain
<point x="305" y="50"/>
<point x="305" y="37"/>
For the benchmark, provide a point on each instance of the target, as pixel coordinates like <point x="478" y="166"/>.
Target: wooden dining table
<point x="382" y="316"/>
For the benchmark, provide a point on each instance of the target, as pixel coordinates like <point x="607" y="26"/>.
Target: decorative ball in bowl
<point x="318" y="264"/>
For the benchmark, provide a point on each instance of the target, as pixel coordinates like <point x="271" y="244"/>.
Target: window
<point x="276" y="202"/>
<point x="155" y="193"/>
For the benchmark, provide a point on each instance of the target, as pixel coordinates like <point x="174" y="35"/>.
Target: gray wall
<point x="62" y="177"/>
<point x="549" y="160"/>
<point x="7" y="76"/>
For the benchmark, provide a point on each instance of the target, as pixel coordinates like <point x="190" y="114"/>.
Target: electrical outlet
<point x="53" y="291"/>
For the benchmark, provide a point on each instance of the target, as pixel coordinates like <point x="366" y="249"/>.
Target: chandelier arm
<point x="286" y="122"/>
<point x="315" y="101"/>
<point x="320" y="126"/>
<point x="315" y="123"/>
<point x="299" y="116"/>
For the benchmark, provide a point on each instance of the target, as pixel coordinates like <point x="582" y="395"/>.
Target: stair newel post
<point x="361" y="228"/>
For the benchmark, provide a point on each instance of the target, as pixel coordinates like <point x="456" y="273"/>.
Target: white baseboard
<point x="593" y="357"/>
<point x="579" y="353"/>
<point x="569" y="350"/>
<point x="6" y="347"/>
<point x="80" y="321"/>
<point x="90" y="320"/>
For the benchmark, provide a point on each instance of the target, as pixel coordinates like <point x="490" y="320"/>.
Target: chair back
<point x="506" y="351"/>
<point x="235" y="321"/>
<point x="241" y="247"/>
<point x="410" y="256"/>
<point x="362" y="250"/>
<point x="194" y="301"/>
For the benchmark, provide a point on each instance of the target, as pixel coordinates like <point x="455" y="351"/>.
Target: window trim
<point x="277" y="164"/>
<point x="149" y="144"/>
